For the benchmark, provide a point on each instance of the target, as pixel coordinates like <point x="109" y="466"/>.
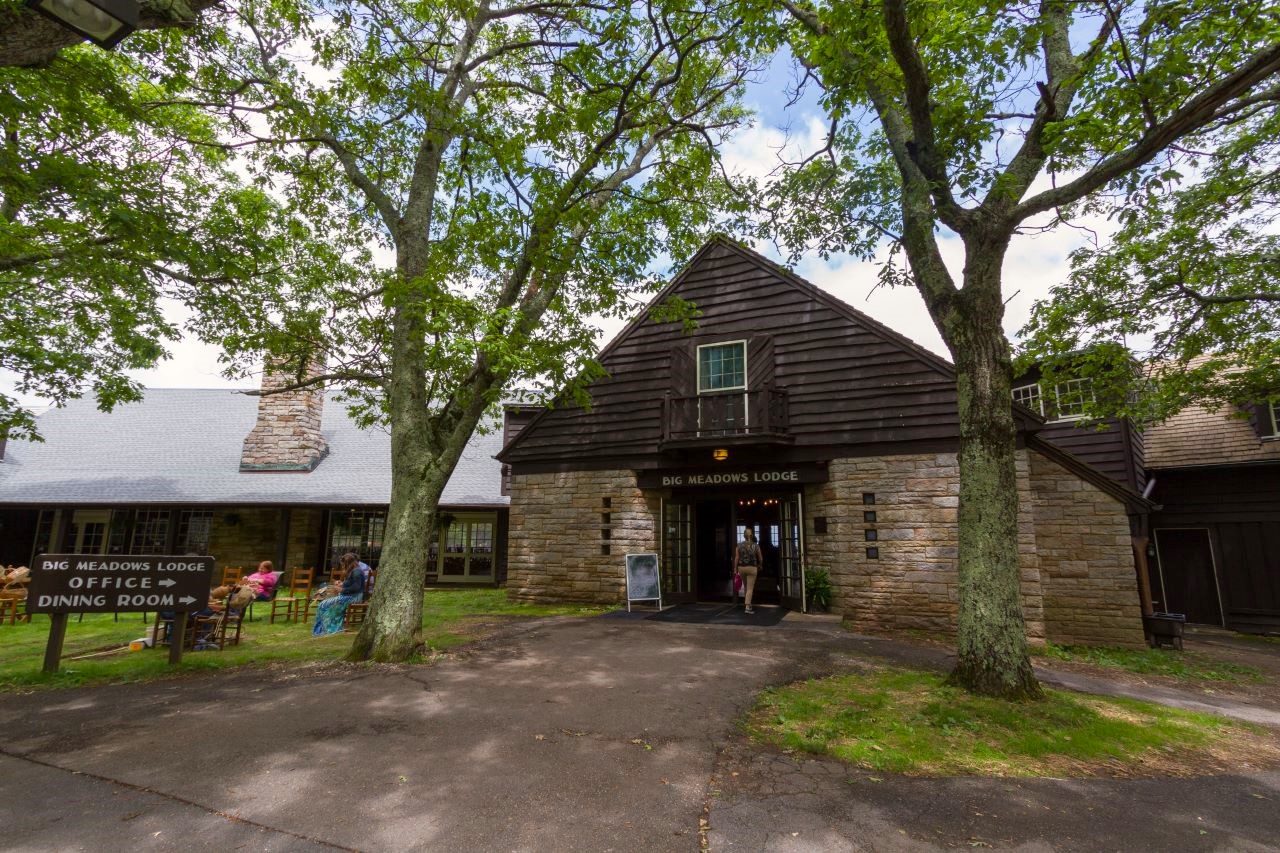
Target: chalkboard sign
<point x="643" y="583"/>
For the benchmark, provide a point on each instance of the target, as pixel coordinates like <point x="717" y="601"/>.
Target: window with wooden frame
<point x="1069" y="399"/>
<point x="1029" y="396"/>
<point x="722" y="367"/>
<point x="464" y="550"/>
<point x="1273" y="409"/>
<point x="194" y="527"/>
<point x="150" y="532"/>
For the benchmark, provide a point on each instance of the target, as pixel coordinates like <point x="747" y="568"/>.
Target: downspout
<point x="1140" y="540"/>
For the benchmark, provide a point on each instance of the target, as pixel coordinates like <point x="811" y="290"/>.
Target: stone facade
<point x="287" y="434"/>
<point x="557" y="544"/>
<point x="1086" y="560"/>
<point x="1078" y="581"/>
<point x="911" y="585"/>
<point x="252" y="538"/>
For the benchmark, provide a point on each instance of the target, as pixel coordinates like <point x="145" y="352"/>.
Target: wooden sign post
<point x="89" y="583"/>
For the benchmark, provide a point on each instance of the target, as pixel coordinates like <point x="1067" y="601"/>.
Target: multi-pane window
<point x="468" y="549"/>
<point x="1072" y="396"/>
<point x="1070" y="399"/>
<point x="1029" y="396"/>
<point x="722" y="367"/>
<point x="1274" y="409"/>
<point x="193" y="531"/>
<point x="150" y="532"/>
<point x="359" y="532"/>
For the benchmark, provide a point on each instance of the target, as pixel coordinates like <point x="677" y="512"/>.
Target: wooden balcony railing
<point x="707" y="418"/>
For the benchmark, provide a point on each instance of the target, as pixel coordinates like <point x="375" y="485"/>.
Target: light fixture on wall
<point x="103" y="22"/>
<point x="720" y="454"/>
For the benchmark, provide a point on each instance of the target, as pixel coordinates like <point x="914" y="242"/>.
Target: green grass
<point x="1187" y="666"/>
<point x="910" y="722"/>
<point x="450" y="617"/>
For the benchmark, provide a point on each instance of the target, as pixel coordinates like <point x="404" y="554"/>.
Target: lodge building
<point x="285" y="477"/>
<point x="830" y="435"/>
<point x="833" y="437"/>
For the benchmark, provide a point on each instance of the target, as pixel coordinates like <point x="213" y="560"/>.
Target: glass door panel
<point x="467" y="554"/>
<point x="677" y="552"/>
<point x="791" y="555"/>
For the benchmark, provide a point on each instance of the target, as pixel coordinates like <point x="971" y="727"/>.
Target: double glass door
<point x="682" y="531"/>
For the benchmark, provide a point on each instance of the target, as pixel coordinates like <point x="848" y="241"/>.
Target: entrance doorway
<point x="700" y="533"/>
<point x="1188" y="575"/>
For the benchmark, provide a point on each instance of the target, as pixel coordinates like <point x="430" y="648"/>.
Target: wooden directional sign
<point x="90" y="583"/>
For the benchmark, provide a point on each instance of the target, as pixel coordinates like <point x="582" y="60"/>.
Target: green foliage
<point x="518" y="171"/>
<point x="817" y="585"/>
<point x="1186" y="666"/>
<point x="114" y="203"/>
<point x="449" y="617"/>
<point x="911" y="722"/>
<point x="976" y="120"/>
<point x="1191" y="278"/>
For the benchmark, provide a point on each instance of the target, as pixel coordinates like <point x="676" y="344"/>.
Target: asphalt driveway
<point x="587" y="734"/>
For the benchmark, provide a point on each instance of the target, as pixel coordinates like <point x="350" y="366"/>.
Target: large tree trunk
<point x="991" y="638"/>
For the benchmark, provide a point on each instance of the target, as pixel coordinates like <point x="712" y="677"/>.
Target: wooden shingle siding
<point x="849" y="380"/>
<point x="1110" y="450"/>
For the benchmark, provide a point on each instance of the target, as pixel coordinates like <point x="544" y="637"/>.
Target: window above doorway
<point x="722" y="367"/>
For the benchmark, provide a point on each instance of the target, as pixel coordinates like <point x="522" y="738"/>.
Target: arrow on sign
<point x="186" y="599"/>
<point x="167" y="583"/>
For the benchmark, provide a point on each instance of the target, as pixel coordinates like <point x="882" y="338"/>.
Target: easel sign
<point x="643" y="582"/>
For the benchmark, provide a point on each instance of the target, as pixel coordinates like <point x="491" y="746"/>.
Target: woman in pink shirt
<point x="264" y="580"/>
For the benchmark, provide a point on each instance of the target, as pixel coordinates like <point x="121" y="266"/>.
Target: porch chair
<point x="13" y="598"/>
<point x="358" y="610"/>
<point x="231" y="575"/>
<point x="271" y="599"/>
<point x="299" y="595"/>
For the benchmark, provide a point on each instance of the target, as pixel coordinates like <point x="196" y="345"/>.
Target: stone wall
<point x="246" y="542"/>
<point x="253" y="538"/>
<point x="1078" y="581"/>
<point x="912" y="584"/>
<point x="555" y="551"/>
<point x="1086" y="559"/>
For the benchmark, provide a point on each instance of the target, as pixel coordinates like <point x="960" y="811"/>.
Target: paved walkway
<point x="590" y="734"/>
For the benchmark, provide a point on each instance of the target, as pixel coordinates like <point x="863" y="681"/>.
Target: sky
<point x="1035" y="261"/>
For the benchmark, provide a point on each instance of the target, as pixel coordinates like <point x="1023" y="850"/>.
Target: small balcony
<point x="732" y="417"/>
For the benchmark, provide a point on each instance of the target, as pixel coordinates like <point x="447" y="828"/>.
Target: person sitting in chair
<point x="264" y="581"/>
<point x="332" y="611"/>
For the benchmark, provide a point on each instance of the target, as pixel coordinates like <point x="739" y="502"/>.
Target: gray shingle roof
<point x="183" y="446"/>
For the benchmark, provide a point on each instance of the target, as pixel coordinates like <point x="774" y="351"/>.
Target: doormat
<point x="720" y="614"/>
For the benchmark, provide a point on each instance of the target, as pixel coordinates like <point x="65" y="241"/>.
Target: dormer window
<point x="722" y="367"/>
<point x="1273" y="409"/>
<point x="1070" y="399"/>
<point x="1029" y="396"/>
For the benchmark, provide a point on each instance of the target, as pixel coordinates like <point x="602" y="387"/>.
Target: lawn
<point x="450" y="617"/>
<point x="910" y="722"/>
<point x="1185" y="666"/>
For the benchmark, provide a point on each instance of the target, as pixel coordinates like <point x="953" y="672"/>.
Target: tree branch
<point x="1212" y="104"/>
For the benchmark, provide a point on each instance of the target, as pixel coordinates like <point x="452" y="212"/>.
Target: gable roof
<point x="941" y="367"/>
<point x="182" y="446"/>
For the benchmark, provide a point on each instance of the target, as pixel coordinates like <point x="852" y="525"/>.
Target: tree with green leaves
<point x="518" y="167"/>
<point x="1190" y="282"/>
<point x="111" y="209"/>
<point x="972" y="121"/>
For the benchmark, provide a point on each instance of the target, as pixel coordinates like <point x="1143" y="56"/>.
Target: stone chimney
<point x="287" y="435"/>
